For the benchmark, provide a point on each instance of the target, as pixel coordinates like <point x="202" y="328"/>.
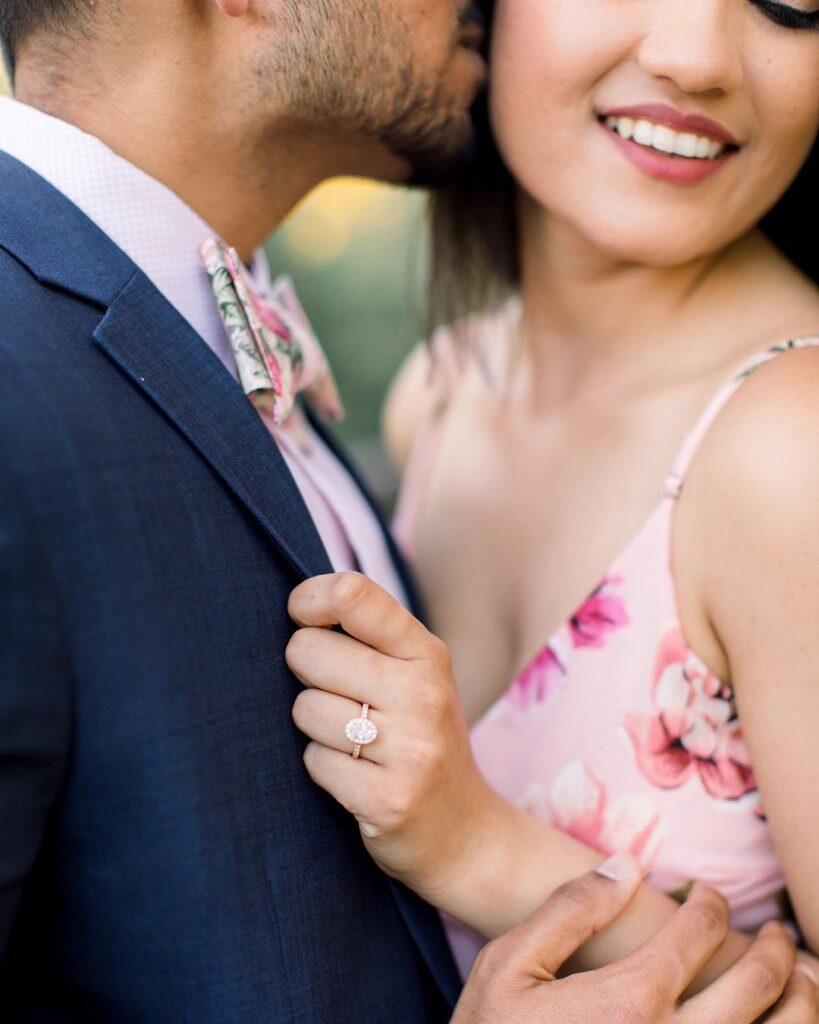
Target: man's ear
<point x="233" y="8"/>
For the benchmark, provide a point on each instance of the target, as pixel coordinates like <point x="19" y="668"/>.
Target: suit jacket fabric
<point x="163" y="855"/>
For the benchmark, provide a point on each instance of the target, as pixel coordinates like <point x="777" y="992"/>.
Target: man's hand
<point x="514" y="978"/>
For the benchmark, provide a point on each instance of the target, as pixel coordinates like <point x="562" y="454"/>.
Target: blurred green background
<point x="356" y="252"/>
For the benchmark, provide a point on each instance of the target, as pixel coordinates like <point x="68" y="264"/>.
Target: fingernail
<point x="809" y="971"/>
<point x="621" y="867"/>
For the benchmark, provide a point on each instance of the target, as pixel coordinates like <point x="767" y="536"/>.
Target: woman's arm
<point x="760" y="530"/>
<point x="516" y="861"/>
<point x="426" y="814"/>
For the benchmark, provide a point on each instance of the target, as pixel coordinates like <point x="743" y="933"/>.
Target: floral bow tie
<point x="277" y="354"/>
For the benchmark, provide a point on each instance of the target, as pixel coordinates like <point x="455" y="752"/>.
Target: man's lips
<point x="661" y="113"/>
<point x="472" y="37"/>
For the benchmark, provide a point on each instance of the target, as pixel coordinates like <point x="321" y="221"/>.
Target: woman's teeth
<point x="665" y="139"/>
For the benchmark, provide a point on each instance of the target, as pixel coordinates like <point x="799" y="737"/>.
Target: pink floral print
<point x="577" y="803"/>
<point x="694" y="729"/>
<point x="629" y="743"/>
<point x="536" y="682"/>
<point x="599" y="615"/>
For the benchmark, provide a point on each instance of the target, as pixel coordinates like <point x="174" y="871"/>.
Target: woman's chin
<point x="655" y="244"/>
<point x="623" y="230"/>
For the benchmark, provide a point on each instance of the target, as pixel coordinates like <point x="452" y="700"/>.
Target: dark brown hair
<point x="19" y="19"/>
<point x="475" y="258"/>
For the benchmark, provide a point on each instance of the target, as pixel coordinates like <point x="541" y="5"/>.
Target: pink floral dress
<point x="617" y="733"/>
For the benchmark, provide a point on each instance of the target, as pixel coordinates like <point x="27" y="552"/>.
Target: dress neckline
<point x="559" y="644"/>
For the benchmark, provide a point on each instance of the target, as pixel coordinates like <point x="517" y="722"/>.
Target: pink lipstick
<point x="667" y="144"/>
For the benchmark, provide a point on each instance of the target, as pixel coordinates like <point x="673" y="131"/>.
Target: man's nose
<point x="696" y="44"/>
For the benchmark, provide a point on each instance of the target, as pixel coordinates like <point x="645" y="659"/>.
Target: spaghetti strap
<point x="676" y="478"/>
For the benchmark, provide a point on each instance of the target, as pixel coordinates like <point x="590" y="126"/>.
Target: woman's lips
<point x="685" y="153"/>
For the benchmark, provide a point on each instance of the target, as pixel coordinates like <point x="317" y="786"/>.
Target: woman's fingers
<point x="359" y="786"/>
<point x="326" y="660"/>
<point x="323" y="716"/>
<point x="751" y="987"/>
<point x="362" y="609"/>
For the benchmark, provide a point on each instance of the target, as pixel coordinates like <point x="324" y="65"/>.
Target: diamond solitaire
<point x="361" y="731"/>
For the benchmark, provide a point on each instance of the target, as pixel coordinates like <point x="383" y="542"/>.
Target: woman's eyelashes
<point x="789" y="17"/>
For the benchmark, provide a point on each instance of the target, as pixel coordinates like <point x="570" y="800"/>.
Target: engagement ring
<point x="361" y="731"/>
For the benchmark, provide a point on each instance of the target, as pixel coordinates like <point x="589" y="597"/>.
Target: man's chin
<point x="436" y="166"/>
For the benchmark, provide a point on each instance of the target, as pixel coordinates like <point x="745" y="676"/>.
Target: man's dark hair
<point x="19" y="19"/>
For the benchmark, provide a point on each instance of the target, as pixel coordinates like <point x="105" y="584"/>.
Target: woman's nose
<point x="695" y="44"/>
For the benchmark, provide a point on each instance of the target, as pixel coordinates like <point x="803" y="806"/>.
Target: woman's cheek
<point x="785" y="92"/>
<point x="547" y="60"/>
<point x="532" y="106"/>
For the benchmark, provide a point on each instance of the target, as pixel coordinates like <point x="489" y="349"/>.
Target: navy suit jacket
<point x="163" y="855"/>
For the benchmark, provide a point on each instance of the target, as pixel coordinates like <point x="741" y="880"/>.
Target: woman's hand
<point x="420" y="800"/>
<point x="426" y="814"/>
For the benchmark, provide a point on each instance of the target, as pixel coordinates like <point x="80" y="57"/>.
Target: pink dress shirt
<point x="162" y="235"/>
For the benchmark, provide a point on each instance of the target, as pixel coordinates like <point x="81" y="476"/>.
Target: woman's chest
<point x="518" y="525"/>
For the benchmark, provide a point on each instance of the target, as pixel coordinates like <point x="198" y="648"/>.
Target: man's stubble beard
<point x="350" y="66"/>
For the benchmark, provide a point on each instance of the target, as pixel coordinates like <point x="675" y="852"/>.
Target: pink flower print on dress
<point x="536" y="682"/>
<point x="694" y="730"/>
<point x="599" y="615"/>
<point x="577" y="803"/>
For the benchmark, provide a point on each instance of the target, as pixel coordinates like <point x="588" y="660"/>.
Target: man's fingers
<point x="571" y="915"/>
<point x="749" y="988"/>
<point x="686" y="942"/>
<point x="362" y="609"/>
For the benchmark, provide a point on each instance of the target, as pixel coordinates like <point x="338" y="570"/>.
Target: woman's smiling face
<point x="659" y="130"/>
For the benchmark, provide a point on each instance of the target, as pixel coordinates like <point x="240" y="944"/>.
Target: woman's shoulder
<point x="408" y="405"/>
<point x="772" y="418"/>
<point x="756" y="474"/>
<point x="429" y="375"/>
<point x="775" y="395"/>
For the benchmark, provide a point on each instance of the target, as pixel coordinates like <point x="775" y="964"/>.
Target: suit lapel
<point x="159" y="352"/>
<point x="155" y="347"/>
<point x="147" y="340"/>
